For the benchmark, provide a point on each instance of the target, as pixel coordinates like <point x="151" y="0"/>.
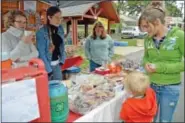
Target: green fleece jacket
<point x="168" y="59"/>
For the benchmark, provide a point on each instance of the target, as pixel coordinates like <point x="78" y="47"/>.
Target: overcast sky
<point x="179" y="4"/>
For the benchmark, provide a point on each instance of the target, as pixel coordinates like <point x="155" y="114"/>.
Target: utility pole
<point x="182" y="6"/>
<point x="58" y="3"/>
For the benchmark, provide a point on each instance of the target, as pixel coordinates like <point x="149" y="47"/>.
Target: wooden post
<point x="21" y="5"/>
<point x="74" y="31"/>
<point x="108" y="29"/>
<point x="68" y="27"/>
<point x="86" y="30"/>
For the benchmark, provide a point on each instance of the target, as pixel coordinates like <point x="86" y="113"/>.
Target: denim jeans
<point x="93" y="65"/>
<point x="167" y="99"/>
<point x="56" y="73"/>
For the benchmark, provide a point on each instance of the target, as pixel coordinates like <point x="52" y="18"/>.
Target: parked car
<point x="132" y="32"/>
<point x="142" y="35"/>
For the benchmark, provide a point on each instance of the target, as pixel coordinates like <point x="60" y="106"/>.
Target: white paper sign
<point x="19" y="101"/>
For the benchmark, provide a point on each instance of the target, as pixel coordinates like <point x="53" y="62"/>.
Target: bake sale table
<point x="106" y="112"/>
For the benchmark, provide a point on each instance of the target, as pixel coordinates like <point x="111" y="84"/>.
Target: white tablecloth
<point x="106" y="112"/>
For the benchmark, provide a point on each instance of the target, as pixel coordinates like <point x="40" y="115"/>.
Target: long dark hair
<point x="51" y="11"/>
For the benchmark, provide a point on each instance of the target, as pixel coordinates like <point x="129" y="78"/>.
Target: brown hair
<point x="154" y="11"/>
<point x="9" y="19"/>
<point x="103" y="35"/>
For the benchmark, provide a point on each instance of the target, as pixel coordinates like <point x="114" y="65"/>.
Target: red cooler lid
<point x="35" y="68"/>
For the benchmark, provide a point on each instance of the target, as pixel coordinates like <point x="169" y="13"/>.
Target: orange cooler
<point x="35" y="70"/>
<point x="6" y="62"/>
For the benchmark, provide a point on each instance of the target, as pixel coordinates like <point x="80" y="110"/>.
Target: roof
<point x="78" y="10"/>
<point x="64" y="4"/>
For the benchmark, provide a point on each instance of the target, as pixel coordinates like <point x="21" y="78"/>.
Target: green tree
<point x="172" y="9"/>
<point x="135" y="7"/>
<point x="120" y="5"/>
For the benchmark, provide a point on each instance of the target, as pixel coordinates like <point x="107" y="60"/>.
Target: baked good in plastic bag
<point x="82" y="104"/>
<point x="101" y="95"/>
<point x="106" y="86"/>
<point x="93" y="79"/>
<point x="86" y="87"/>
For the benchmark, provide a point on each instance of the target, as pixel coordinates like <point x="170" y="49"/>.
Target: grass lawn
<point x="131" y="42"/>
<point x="85" y="65"/>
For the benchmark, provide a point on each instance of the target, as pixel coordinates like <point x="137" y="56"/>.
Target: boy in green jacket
<point x="163" y="59"/>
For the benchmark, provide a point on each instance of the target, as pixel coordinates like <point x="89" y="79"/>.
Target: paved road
<point x="127" y="50"/>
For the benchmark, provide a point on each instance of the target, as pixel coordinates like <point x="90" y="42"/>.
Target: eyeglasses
<point x="20" y="22"/>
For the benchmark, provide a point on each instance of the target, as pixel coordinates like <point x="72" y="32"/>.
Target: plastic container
<point x="6" y="62"/>
<point x="121" y="44"/>
<point x="59" y="101"/>
<point x="114" y="68"/>
<point x="102" y="72"/>
<point x="70" y="62"/>
<point x="72" y="71"/>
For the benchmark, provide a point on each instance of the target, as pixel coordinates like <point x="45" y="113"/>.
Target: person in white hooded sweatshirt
<point x="20" y="47"/>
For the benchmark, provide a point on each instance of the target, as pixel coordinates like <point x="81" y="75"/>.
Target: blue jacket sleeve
<point x="41" y="47"/>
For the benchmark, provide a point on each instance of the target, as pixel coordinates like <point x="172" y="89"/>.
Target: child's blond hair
<point x="136" y="83"/>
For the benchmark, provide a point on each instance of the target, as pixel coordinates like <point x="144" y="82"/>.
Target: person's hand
<point x="150" y="68"/>
<point x="17" y="60"/>
<point x="51" y="48"/>
<point x="118" y="62"/>
<point x="28" y="39"/>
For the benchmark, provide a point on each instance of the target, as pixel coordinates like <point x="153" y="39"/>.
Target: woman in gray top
<point x="99" y="47"/>
<point x="19" y="47"/>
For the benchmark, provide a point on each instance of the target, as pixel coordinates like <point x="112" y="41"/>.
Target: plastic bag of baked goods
<point x="100" y="95"/>
<point x="93" y="79"/>
<point x="82" y="104"/>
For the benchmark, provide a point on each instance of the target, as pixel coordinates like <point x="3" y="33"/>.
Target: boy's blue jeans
<point x="167" y="99"/>
<point x="93" y="65"/>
